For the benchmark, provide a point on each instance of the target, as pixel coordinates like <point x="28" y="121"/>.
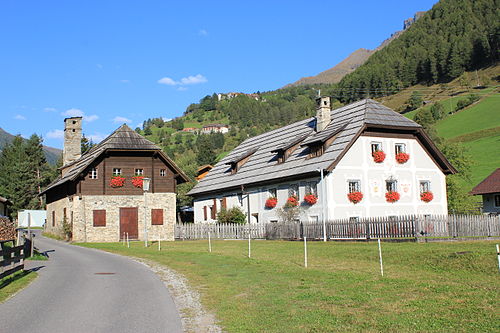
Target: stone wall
<point x="82" y="208"/>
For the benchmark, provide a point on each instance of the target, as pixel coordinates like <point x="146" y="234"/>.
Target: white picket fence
<point x="412" y="226"/>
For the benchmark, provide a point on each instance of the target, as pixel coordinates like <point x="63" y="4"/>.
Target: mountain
<point x="353" y="61"/>
<point x="51" y="154"/>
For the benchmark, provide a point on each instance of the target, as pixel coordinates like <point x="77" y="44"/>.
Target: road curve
<point x="70" y="295"/>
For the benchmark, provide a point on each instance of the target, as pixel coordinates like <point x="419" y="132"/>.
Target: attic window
<point x="286" y="150"/>
<point x="376" y="146"/>
<point x="162" y="172"/>
<point x="117" y="172"/>
<point x="400" y="148"/>
<point x="237" y="162"/>
<point x="316" y="150"/>
<point x="139" y="172"/>
<point x="93" y="173"/>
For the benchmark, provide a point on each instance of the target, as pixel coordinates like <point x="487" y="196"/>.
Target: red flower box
<point x="355" y="197"/>
<point x="311" y="199"/>
<point x="271" y="202"/>
<point x="117" y="181"/>
<point x="392" y="196"/>
<point x="426" y="196"/>
<point x="137" y="181"/>
<point x="378" y="156"/>
<point x="292" y="202"/>
<point x="402" y="158"/>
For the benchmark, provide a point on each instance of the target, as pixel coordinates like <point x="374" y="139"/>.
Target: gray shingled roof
<point x="262" y="166"/>
<point x="123" y="138"/>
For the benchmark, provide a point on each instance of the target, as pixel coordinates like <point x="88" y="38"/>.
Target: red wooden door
<point x="129" y="222"/>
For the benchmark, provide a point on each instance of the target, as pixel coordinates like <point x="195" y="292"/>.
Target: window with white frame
<point x="163" y="172"/>
<point x="93" y="173"/>
<point x="293" y="190"/>
<point x="376" y="146"/>
<point x="312" y="188"/>
<point x="400" y="148"/>
<point x="117" y="172"/>
<point x="139" y="172"/>
<point x="391" y="185"/>
<point x="425" y="186"/>
<point x="272" y="193"/>
<point x="497" y="200"/>
<point x="353" y="219"/>
<point x="354" y="186"/>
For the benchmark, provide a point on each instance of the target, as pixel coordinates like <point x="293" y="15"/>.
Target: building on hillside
<point x="190" y="129"/>
<point x="360" y="160"/>
<point x="203" y="171"/>
<point x="4" y="206"/>
<point x="489" y="189"/>
<point x="100" y="193"/>
<point x="230" y="95"/>
<point x="37" y="217"/>
<point x="215" y="128"/>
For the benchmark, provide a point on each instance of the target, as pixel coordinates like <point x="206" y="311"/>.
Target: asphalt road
<point x="71" y="296"/>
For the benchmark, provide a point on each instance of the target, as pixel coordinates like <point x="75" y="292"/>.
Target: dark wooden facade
<point x="151" y="162"/>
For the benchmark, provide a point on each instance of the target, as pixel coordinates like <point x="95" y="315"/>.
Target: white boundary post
<point x="380" y="258"/>
<point x="305" y="251"/>
<point x="249" y="246"/>
<point x="128" y="243"/>
<point x="159" y="242"/>
<point x="209" y="243"/>
<point x="498" y="256"/>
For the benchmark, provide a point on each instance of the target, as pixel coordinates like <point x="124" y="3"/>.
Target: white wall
<point x="357" y="164"/>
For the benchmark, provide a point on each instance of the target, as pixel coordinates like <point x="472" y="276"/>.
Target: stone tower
<point x="322" y="112"/>
<point x="72" y="139"/>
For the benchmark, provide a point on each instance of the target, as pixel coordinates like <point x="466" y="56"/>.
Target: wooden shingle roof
<point x="490" y="184"/>
<point x="123" y="138"/>
<point x="347" y="123"/>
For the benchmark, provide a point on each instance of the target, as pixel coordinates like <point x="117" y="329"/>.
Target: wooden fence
<point x="11" y="259"/>
<point x="413" y="227"/>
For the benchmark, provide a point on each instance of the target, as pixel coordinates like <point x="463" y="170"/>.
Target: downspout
<point x="323" y="204"/>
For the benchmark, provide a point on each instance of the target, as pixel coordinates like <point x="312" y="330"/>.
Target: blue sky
<point x="126" y="61"/>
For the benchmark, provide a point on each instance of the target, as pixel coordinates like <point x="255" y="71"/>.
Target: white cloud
<point x="125" y="81"/>
<point x="192" y="79"/>
<point x="182" y="88"/>
<point x="56" y="134"/>
<point x="202" y="32"/>
<point x="50" y="109"/>
<point x="79" y="113"/>
<point x="166" y="119"/>
<point x="20" y="117"/>
<point x="167" y="81"/>
<point x="96" y="137"/>
<point x="120" y="120"/>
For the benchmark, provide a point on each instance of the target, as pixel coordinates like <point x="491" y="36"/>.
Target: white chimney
<point x="72" y="139"/>
<point x="322" y="113"/>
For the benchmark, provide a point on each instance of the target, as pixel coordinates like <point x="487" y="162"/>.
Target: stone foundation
<point x="80" y="213"/>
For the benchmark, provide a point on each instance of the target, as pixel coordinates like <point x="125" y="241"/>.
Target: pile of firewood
<point x="7" y="229"/>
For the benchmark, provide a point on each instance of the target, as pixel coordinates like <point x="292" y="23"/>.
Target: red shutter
<point x="205" y="213"/>
<point x="53" y="218"/>
<point x="99" y="218"/>
<point x="224" y="203"/>
<point x="157" y="216"/>
<point x="214" y="210"/>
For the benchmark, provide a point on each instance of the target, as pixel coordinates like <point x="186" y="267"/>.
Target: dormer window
<point x="316" y="150"/>
<point x="319" y="142"/>
<point x="286" y="150"/>
<point x="237" y="162"/>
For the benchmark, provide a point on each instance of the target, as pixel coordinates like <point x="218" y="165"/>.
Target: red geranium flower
<point x="402" y="158"/>
<point x="311" y="199"/>
<point x="355" y="197"/>
<point x="271" y="202"/>
<point x="392" y="196"/>
<point x="426" y="196"/>
<point x="292" y="202"/>
<point x="117" y="181"/>
<point x="378" y="156"/>
<point x="137" y="181"/>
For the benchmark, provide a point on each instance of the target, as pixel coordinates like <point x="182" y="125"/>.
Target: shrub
<point x="232" y="215"/>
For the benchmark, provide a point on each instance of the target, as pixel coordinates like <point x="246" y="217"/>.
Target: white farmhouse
<point x="360" y="160"/>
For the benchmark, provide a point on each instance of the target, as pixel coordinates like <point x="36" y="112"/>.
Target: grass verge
<point x="10" y="285"/>
<point x="430" y="286"/>
<point x="53" y="236"/>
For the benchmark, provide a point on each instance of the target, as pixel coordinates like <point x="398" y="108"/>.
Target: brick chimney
<point x="322" y="112"/>
<point x="72" y="139"/>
